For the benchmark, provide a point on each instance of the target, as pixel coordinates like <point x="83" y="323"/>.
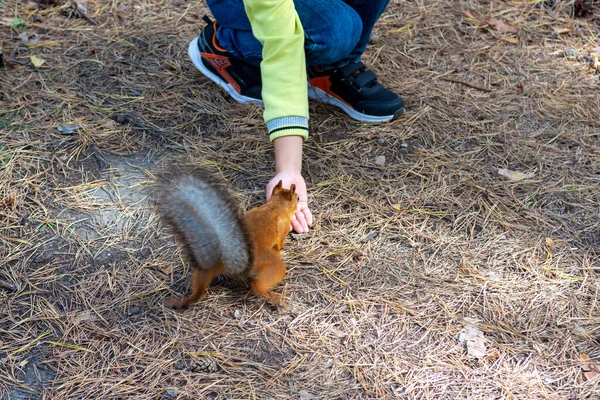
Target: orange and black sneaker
<point x="240" y="79"/>
<point x="356" y="90"/>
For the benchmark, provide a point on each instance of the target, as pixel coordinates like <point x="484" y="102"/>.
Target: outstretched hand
<point x="303" y="217"/>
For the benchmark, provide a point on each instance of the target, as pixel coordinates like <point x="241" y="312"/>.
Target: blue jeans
<point x="336" y="32"/>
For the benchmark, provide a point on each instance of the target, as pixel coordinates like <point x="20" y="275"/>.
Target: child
<point x="261" y="51"/>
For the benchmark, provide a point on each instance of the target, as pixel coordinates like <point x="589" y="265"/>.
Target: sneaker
<point x="355" y="89"/>
<point x="240" y="79"/>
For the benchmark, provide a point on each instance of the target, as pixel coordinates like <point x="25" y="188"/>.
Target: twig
<point x="471" y="85"/>
<point x="82" y="14"/>
<point x="355" y="164"/>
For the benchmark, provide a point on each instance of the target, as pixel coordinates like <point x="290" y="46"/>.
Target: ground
<point x="417" y="237"/>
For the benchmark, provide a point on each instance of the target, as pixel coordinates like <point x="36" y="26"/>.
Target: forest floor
<point x="455" y="252"/>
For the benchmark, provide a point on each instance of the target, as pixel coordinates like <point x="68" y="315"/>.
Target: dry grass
<point x="400" y="254"/>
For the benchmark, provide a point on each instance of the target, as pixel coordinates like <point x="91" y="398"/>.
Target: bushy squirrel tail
<point x="205" y="217"/>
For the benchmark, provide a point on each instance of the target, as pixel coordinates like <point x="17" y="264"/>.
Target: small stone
<point x="570" y="52"/>
<point x="237" y="314"/>
<point x="380" y="160"/>
<point x="134" y="310"/>
<point x="179" y="365"/>
<point x="405" y="145"/>
<point x="68" y="129"/>
<point x="305" y="395"/>
<point x="172" y="393"/>
<point x="381" y="141"/>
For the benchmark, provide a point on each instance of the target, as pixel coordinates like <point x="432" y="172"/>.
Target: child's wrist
<point x="288" y="154"/>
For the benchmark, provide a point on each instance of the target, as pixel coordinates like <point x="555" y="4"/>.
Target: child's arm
<point x="277" y="26"/>
<point x="288" y="165"/>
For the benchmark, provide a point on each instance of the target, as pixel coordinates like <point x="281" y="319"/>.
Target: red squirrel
<point x="219" y="241"/>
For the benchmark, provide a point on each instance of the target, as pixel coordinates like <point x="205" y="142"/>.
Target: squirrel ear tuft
<point x="293" y="188"/>
<point x="279" y="184"/>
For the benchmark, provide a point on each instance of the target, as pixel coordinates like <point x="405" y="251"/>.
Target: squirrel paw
<point x="174" y="302"/>
<point x="278" y="300"/>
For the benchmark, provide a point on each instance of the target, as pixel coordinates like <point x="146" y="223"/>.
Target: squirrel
<point x="218" y="240"/>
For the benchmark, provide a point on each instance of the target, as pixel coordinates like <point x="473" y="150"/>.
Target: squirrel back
<point x="206" y="218"/>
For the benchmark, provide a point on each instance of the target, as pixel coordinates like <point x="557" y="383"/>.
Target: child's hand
<point x="303" y="218"/>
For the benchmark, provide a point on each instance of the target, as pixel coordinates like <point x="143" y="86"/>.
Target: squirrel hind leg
<point x="267" y="276"/>
<point x="201" y="278"/>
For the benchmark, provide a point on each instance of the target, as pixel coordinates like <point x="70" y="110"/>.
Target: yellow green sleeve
<point x="276" y="25"/>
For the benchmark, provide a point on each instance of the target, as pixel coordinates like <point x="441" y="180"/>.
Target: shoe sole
<point x="196" y="57"/>
<point x="320" y="95"/>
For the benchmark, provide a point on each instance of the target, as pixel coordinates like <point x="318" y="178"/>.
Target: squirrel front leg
<point x="283" y="228"/>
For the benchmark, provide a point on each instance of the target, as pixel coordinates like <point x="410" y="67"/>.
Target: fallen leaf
<point x="510" y="40"/>
<point x="68" y="129"/>
<point x="470" y="14"/>
<point x="592" y="60"/>
<point x="549" y="242"/>
<point x="493" y="354"/>
<point x="30" y="6"/>
<point x="502" y="26"/>
<point x="590" y="371"/>
<point x="559" y="30"/>
<point x="473" y="338"/>
<point x="36" y="61"/>
<point x="81" y="7"/>
<point x="30" y="42"/>
<point x="514" y="175"/>
<point x="166" y="269"/>
<point x="520" y="87"/>
<point x="84" y="316"/>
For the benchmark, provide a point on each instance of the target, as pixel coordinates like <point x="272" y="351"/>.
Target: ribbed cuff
<point x="288" y="126"/>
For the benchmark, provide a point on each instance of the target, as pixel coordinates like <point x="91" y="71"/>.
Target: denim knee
<point x="334" y="39"/>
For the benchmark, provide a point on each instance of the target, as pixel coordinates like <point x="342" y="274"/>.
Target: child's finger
<point x="305" y="212"/>
<point x="308" y="216"/>
<point x="302" y="220"/>
<point x="296" y="226"/>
